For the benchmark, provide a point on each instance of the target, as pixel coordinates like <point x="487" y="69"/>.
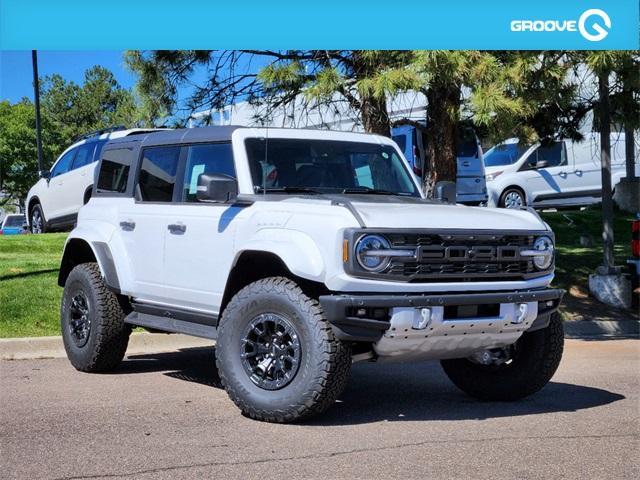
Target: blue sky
<point x="16" y="75"/>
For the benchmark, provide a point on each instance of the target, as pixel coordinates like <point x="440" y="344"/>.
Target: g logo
<point x="601" y="32"/>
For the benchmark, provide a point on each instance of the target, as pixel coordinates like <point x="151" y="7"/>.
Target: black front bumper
<point x="339" y="308"/>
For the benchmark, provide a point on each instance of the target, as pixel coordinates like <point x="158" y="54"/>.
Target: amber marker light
<point x="345" y="250"/>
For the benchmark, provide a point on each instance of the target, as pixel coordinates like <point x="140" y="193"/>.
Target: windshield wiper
<point x="372" y="191"/>
<point x="287" y="190"/>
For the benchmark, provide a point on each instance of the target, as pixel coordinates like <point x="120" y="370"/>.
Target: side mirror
<point x="446" y="192"/>
<point x="45" y="174"/>
<point x="215" y="187"/>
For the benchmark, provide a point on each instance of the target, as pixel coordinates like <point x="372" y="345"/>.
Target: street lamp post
<point x="36" y="97"/>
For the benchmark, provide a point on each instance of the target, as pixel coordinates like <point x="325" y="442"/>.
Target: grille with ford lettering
<point x="442" y="256"/>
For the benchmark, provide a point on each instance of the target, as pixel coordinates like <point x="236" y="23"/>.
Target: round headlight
<point x="369" y="255"/>
<point x="545" y="245"/>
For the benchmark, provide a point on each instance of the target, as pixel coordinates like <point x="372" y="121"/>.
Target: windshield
<point x="327" y="166"/>
<point x="504" y="154"/>
<point x="14" y="221"/>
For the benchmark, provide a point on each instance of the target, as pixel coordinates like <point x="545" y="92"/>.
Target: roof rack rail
<point x="115" y="128"/>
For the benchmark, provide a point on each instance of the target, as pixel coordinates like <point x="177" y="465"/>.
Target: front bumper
<point x="345" y="311"/>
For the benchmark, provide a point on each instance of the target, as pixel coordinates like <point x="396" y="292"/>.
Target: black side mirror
<point x="45" y="174"/>
<point x="446" y="192"/>
<point x="215" y="187"/>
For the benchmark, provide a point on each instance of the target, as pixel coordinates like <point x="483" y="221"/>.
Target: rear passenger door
<point x="143" y="222"/>
<point x="199" y="236"/>
<point x="55" y="201"/>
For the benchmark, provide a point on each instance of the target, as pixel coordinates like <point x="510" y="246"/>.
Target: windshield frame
<point x="245" y="180"/>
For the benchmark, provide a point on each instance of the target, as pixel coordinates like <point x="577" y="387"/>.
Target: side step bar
<point x="171" y="325"/>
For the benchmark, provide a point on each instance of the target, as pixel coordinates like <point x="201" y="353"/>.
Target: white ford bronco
<point x="301" y="252"/>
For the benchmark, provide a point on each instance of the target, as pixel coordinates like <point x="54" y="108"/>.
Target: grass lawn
<point x="29" y="292"/>
<point x="30" y="296"/>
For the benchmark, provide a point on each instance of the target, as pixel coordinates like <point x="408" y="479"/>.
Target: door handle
<point x="177" y="228"/>
<point x="578" y="172"/>
<point x="563" y="174"/>
<point x="127" y="226"/>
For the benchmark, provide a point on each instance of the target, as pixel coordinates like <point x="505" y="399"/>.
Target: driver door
<point x="547" y="173"/>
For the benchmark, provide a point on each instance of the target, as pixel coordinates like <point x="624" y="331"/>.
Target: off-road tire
<point x="537" y="359"/>
<point x="108" y="335"/>
<point x="324" y="363"/>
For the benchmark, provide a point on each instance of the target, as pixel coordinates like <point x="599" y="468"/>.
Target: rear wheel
<point x="512" y="198"/>
<point x="513" y="372"/>
<point x="92" y="321"/>
<point x="276" y="353"/>
<point x="38" y="224"/>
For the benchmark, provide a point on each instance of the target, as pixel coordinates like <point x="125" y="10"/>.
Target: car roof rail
<point x="96" y="133"/>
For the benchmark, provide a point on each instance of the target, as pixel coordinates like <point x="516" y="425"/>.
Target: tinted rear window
<point x="114" y="170"/>
<point x="158" y="173"/>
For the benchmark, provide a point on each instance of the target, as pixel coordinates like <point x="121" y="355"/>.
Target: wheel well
<point x="87" y="194"/>
<point x="254" y="265"/>
<point x="32" y="202"/>
<point x="76" y="251"/>
<point x="514" y="187"/>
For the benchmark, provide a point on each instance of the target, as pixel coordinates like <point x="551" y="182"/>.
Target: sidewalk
<point x="143" y="343"/>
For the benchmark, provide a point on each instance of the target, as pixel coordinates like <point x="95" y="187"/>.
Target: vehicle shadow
<point x="389" y="392"/>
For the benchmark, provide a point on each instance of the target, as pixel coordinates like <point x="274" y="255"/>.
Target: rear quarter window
<point x="114" y="170"/>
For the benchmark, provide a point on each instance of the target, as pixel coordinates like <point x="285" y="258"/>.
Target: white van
<point x="561" y="174"/>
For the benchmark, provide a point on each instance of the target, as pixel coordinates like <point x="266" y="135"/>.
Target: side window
<point x="212" y="158"/>
<point x="84" y="155"/>
<point x="550" y="156"/>
<point x="114" y="170"/>
<point x="158" y="173"/>
<point x="64" y="164"/>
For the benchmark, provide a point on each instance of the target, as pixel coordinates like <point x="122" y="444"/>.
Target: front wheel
<point x="512" y="198"/>
<point x="514" y="372"/>
<point x="276" y="353"/>
<point x="38" y="224"/>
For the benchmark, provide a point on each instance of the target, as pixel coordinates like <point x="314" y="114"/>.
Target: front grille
<point x="454" y="257"/>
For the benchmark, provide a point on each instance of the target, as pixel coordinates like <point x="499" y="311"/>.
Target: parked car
<point x="561" y="173"/>
<point x="13" y="224"/>
<point x="340" y="259"/>
<point x="470" y="182"/>
<point x="53" y="202"/>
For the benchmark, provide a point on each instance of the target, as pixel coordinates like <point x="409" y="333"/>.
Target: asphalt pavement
<point x="164" y="416"/>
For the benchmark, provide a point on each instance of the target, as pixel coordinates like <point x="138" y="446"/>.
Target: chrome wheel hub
<point x="270" y="351"/>
<point x="513" y="200"/>
<point x="36" y="222"/>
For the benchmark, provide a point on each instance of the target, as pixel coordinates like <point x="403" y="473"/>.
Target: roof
<point x="181" y="135"/>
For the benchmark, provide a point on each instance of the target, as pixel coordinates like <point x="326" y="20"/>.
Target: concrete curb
<point x="602" y="329"/>
<point x="145" y="343"/>
<point x="139" y="343"/>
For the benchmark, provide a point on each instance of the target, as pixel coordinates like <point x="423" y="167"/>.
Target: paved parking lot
<point x="162" y="416"/>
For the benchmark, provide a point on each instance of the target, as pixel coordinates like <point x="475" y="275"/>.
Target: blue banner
<point x="330" y="24"/>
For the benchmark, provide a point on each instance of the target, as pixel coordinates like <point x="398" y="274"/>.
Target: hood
<point x="425" y="215"/>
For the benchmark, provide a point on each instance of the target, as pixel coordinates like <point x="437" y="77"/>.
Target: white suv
<point x="300" y="252"/>
<point x="53" y="202"/>
<point x="563" y="173"/>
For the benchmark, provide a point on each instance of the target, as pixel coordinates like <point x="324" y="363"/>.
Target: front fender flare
<point x="297" y="250"/>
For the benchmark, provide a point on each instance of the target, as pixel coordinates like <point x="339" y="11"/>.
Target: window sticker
<point x="195" y="172"/>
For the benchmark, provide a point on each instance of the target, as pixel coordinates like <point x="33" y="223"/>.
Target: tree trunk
<point x="374" y="115"/>
<point x="605" y="158"/>
<point x="443" y="105"/>
<point x="630" y="150"/>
